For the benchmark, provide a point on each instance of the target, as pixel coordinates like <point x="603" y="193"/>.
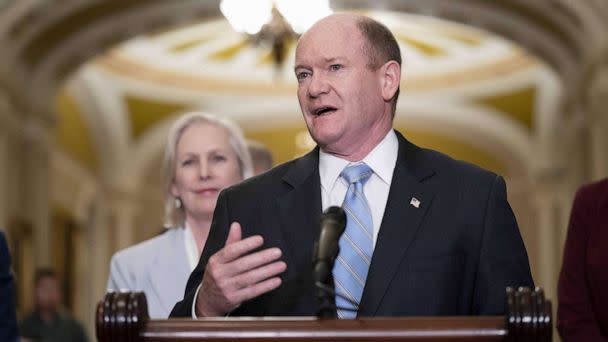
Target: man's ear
<point x="391" y="78"/>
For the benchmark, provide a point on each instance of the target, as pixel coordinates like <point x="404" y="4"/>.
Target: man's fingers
<point x="236" y="249"/>
<point x="258" y="275"/>
<point x="258" y="289"/>
<point x="235" y="246"/>
<point x="234" y="234"/>
<point x="254" y="260"/>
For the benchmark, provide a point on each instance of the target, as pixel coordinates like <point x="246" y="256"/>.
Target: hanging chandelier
<point x="274" y="23"/>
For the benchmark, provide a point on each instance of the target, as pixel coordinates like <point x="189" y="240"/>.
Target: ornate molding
<point x="48" y="50"/>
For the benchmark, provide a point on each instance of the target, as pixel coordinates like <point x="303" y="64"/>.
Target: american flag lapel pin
<point x="414" y="202"/>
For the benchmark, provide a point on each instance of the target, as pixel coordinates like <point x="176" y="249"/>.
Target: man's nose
<point x="318" y="85"/>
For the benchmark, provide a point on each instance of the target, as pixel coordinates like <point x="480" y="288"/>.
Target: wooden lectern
<point x="124" y="317"/>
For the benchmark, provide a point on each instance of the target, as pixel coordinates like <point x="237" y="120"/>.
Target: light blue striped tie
<point x="356" y="244"/>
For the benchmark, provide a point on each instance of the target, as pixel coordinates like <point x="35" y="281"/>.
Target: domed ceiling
<point x="464" y="91"/>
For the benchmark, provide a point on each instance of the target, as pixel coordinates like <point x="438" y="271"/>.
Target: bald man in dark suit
<point x="443" y="238"/>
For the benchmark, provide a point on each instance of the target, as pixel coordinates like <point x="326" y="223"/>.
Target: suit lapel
<point x="166" y="262"/>
<point x="408" y="201"/>
<point x="299" y="207"/>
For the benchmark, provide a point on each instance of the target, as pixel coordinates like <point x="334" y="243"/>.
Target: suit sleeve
<point x="576" y="320"/>
<point x="503" y="260"/>
<point x="216" y="240"/>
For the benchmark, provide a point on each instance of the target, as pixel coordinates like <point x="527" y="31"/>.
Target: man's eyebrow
<point x="333" y="59"/>
<point x="327" y="60"/>
<point x="300" y="66"/>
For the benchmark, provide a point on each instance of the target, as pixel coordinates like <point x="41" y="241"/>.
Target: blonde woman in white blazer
<point x="204" y="155"/>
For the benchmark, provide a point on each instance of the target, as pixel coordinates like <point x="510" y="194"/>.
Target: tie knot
<point x="356" y="173"/>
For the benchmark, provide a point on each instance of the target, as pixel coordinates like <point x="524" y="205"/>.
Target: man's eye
<point x="335" y="67"/>
<point x="302" y="75"/>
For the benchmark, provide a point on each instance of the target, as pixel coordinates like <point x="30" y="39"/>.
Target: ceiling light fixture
<point x="274" y="22"/>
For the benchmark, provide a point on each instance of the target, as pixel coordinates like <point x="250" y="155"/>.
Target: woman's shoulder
<point x="149" y="248"/>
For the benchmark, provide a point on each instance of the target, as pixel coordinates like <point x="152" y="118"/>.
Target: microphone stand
<point x="325" y="292"/>
<point x="326" y="301"/>
<point x="326" y="249"/>
<point x="327" y="305"/>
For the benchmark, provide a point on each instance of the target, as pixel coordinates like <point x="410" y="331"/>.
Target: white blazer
<point x="159" y="267"/>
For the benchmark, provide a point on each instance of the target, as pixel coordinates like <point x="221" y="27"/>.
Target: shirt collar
<point x="381" y="160"/>
<point x="190" y="244"/>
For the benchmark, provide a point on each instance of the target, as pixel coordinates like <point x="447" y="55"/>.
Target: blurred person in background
<point x="49" y="322"/>
<point x="8" y="320"/>
<point x="582" y="313"/>
<point x="261" y="157"/>
<point x="204" y="154"/>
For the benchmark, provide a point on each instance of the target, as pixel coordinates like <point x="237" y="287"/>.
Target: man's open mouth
<point x="324" y="110"/>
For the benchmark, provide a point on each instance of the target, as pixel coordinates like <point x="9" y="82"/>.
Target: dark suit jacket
<point x="582" y="313"/>
<point x="8" y="321"/>
<point x="454" y="255"/>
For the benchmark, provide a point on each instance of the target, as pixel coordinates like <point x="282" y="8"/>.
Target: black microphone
<point x="332" y="225"/>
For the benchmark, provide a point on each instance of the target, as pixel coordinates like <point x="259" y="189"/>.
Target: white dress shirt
<point x="382" y="160"/>
<point x="190" y="247"/>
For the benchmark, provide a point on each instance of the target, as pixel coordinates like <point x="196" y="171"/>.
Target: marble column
<point x="123" y="207"/>
<point x="548" y="236"/>
<point x="35" y="173"/>
<point x="553" y="192"/>
<point x="9" y="165"/>
<point x="521" y="200"/>
<point x="98" y="256"/>
<point x="598" y="123"/>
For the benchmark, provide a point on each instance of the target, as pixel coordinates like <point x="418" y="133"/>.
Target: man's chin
<point x="332" y="147"/>
<point x="325" y="136"/>
<point x="324" y="142"/>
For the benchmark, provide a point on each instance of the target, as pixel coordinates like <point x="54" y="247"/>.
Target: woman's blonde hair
<point x="175" y="217"/>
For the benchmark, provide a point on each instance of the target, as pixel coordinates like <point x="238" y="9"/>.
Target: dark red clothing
<point x="582" y="290"/>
